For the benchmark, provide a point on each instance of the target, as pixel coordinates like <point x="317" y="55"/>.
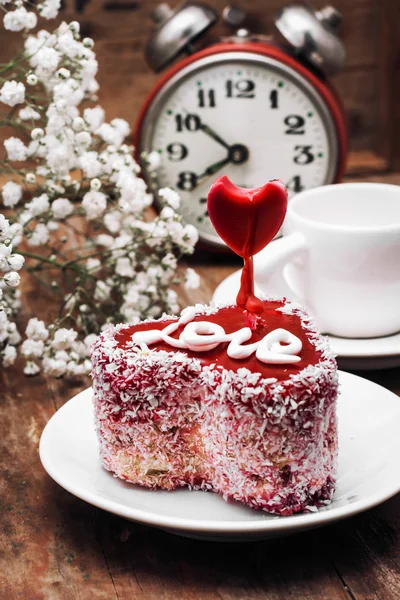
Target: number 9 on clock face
<point x="244" y="115"/>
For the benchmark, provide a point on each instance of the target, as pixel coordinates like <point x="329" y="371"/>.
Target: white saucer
<point x="366" y="354"/>
<point x="369" y="472"/>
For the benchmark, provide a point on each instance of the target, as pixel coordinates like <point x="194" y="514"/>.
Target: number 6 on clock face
<point x="242" y="114"/>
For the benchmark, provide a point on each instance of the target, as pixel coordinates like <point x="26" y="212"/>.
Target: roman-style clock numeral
<point x="294" y="184"/>
<point x="177" y="151"/>
<point x="244" y="88"/>
<point x="187" y="180"/>
<point x="190" y="122"/>
<point x="304" y="156"/>
<point x="206" y="98"/>
<point x="295" y="124"/>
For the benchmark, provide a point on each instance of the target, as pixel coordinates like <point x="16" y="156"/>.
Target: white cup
<point x="340" y="257"/>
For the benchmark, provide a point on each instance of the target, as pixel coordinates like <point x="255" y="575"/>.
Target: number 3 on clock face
<point x="243" y="115"/>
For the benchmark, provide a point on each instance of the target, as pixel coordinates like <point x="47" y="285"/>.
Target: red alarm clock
<point x="247" y="107"/>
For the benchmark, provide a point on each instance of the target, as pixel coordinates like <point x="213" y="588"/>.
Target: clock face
<point x="241" y="115"/>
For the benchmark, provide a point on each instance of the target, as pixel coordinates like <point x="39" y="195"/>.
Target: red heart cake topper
<point x="247" y="220"/>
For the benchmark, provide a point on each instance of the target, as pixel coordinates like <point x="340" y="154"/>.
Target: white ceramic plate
<point x="367" y="354"/>
<point x="369" y="472"/>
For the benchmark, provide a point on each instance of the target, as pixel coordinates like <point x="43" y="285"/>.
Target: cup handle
<point x="269" y="265"/>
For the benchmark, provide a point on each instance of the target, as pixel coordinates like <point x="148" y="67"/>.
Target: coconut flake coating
<point x="167" y="419"/>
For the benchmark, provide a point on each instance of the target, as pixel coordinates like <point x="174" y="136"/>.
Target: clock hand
<point x="214" y="168"/>
<point x="237" y="155"/>
<point x="208" y="131"/>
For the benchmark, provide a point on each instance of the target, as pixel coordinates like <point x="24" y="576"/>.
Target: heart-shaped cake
<point x="204" y="401"/>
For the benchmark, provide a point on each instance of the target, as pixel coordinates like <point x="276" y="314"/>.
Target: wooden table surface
<point x="55" y="546"/>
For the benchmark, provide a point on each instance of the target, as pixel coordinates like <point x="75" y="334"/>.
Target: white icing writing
<point x="276" y="347"/>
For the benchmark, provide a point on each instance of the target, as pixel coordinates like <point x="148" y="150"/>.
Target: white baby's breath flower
<point x="93" y="264"/>
<point x="74" y="26"/>
<point x="61" y="208"/>
<point x="31" y="368"/>
<point x="102" y="291"/>
<point x="90" y="164"/>
<point x="12" y="93"/>
<point x="169" y="261"/>
<point x="63" y="73"/>
<point x="95" y="184"/>
<point x="110" y="134"/>
<point x="19" y="19"/>
<point x="9" y="355"/>
<point x="52" y="366"/>
<point x="122" y="126"/>
<point x="191" y="235"/>
<point x="112" y="220"/>
<point x="39" y="205"/>
<point x="30" y="178"/>
<point x="28" y="113"/>
<point x="16" y="149"/>
<point x="13" y="334"/>
<point x="124" y="267"/>
<point x="167" y="213"/>
<point x="83" y="138"/>
<point x="192" y="280"/>
<point x="89" y="340"/>
<point x="15" y="233"/>
<point x="16" y="261"/>
<point x="94" y="117"/>
<point x="49" y="8"/>
<point x="64" y="338"/>
<point x="31" y="79"/>
<point x="52" y="225"/>
<point x="37" y="133"/>
<point x="62" y="355"/>
<point x="12" y="279"/>
<point x="172" y="298"/>
<point x="170" y="197"/>
<point x="39" y="236"/>
<point x="153" y="160"/>
<point x="25" y="217"/>
<point x="12" y="193"/>
<point x="32" y="348"/>
<point x="94" y="204"/>
<point x="4" y="228"/>
<point x="5" y="250"/>
<point x="47" y="59"/>
<point x="78" y="124"/>
<point x="66" y="179"/>
<point x="36" y="330"/>
<point x="88" y="42"/>
<point x="105" y="240"/>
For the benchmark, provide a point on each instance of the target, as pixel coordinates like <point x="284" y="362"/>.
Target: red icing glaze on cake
<point x="265" y="435"/>
<point x="231" y="319"/>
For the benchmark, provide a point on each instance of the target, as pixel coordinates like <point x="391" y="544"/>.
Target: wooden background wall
<point x="121" y="27"/>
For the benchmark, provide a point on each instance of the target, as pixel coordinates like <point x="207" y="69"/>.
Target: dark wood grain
<point x="56" y="547"/>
